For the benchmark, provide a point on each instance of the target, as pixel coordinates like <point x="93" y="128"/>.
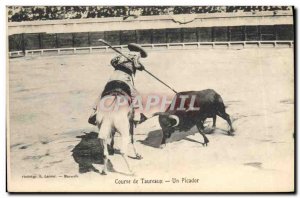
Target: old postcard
<point x="150" y="99"/>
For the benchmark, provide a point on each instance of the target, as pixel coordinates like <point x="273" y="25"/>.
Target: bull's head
<point x="168" y="122"/>
<point x="167" y="119"/>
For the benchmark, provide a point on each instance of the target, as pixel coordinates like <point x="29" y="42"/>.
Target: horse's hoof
<point x="162" y="146"/>
<point x="205" y="143"/>
<point x="230" y="133"/>
<point x="103" y="173"/>
<point x="138" y="156"/>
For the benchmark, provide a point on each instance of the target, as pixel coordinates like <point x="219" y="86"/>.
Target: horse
<point x="115" y="114"/>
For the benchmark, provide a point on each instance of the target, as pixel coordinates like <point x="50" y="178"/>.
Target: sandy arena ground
<point x="50" y="99"/>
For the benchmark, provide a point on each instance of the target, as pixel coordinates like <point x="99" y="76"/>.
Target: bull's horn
<point x="175" y="117"/>
<point x="161" y="114"/>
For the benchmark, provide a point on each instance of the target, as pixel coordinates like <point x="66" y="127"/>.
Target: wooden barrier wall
<point x="31" y="41"/>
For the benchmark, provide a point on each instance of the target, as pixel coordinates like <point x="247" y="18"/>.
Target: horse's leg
<point x="105" y="153"/>
<point x="131" y="132"/>
<point x="122" y="124"/>
<point x="126" y="140"/>
<point x="136" y="154"/>
<point x="132" y="124"/>
<point x="105" y="136"/>
<point x="131" y="114"/>
<point x="111" y="150"/>
<point x="125" y="153"/>
<point x="131" y="128"/>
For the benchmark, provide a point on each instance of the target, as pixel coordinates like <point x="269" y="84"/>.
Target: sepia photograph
<point x="150" y="99"/>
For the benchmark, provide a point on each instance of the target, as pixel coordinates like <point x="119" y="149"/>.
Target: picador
<point x="120" y="86"/>
<point x="123" y="78"/>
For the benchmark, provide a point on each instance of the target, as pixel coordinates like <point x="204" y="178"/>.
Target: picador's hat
<point x="136" y="48"/>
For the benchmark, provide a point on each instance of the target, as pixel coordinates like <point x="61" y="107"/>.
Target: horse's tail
<point x="114" y="101"/>
<point x="102" y="112"/>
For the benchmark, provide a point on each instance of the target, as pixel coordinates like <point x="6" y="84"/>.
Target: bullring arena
<point x="51" y="96"/>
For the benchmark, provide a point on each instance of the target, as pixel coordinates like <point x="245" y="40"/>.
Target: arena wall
<point x="264" y="26"/>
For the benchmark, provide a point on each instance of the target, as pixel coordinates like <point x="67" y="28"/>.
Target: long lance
<point x="119" y="52"/>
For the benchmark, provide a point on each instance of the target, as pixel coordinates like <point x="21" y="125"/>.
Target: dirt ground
<point x="50" y="100"/>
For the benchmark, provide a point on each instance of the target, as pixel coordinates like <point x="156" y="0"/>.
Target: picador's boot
<point x="92" y="118"/>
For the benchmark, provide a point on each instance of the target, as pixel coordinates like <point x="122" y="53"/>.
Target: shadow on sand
<point x="154" y="138"/>
<point x="88" y="151"/>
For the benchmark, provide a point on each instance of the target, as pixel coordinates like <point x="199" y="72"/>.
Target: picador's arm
<point x="135" y="59"/>
<point x="115" y="61"/>
<point x="136" y="62"/>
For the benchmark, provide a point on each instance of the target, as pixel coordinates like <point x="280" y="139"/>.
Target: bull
<point x="182" y="115"/>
